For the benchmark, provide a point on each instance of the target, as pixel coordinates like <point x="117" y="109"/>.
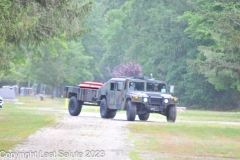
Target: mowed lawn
<point x="190" y="139"/>
<point x="18" y="121"/>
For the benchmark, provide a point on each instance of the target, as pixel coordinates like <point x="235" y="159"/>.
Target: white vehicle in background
<point x="1" y="102"/>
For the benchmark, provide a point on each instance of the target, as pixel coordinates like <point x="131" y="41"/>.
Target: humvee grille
<point x="155" y="101"/>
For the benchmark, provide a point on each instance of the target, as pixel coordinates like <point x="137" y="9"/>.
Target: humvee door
<point x="116" y="95"/>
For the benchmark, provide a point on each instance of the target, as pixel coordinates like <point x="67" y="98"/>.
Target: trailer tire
<point x="104" y="110"/>
<point x="171" y="113"/>
<point x="74" y="107"/>
<point x="144" y="117"/>
<point x="131" y="111"/>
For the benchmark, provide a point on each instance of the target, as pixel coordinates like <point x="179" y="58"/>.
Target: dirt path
<point x="83" y="137"/>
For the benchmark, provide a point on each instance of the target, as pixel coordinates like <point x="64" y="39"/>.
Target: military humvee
<point x="137" y="95"/>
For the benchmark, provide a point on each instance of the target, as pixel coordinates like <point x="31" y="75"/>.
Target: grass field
<point x="195" y="115"/>
<point x="17" y="123"/>
<point x="161" y="140"/>
<point x="209" y="116"/>
<point x="187" y="140"/>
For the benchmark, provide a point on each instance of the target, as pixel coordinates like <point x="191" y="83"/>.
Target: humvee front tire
<point x="74" y="107"/>
<point x="104" y="110"/>
<point x="144" y="117"/>
<point x="171" y="113"/>
<point x="131" y="111"/>
<point x="112" y="114"/>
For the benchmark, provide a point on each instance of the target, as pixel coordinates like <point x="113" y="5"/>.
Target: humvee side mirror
<point x="171" y="89"/>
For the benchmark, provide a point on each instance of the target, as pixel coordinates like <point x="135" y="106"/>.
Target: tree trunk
<point x="41" y="89"/>
<point x="29" y="83"/>
<point x="53" y="91"/>
<point x="17" y="88"/>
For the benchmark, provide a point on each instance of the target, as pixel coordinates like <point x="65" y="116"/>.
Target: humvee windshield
<point x="136" y="86"/>
<point x="156" y="87"/>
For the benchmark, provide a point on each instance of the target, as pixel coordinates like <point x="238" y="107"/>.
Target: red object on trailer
<point x="91" y="85"/>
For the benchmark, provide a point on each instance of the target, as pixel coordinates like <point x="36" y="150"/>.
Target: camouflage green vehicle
<point x="138" y="96"/>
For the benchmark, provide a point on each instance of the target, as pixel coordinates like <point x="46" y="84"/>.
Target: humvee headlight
<point x="165" y="100"/>
<point x="175" y="99"/>
<point x="136" y="97"/>
<point x="145" y="99"/>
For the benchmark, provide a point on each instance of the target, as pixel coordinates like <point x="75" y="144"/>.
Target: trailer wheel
<point x="74" y="107"/>
<point x="171" y="113"/>
<point x="131" y="111"/>
<point x="112" y="114"/>
<point x="104" y="110"/>
<point x="144" y="117"/>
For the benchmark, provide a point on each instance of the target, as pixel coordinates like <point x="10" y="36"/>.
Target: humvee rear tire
<point x="131" y="111"/>
<point x="112" y="114"/>
<point x="74" y="107"/>
<point x="144" y="117"/>
<point x="171" y="114"/>
<point x="104" y="110"/>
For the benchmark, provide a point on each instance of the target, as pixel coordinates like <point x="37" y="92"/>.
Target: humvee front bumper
<point x="159" y="104"/>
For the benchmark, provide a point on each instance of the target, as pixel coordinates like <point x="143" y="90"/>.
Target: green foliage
<point x="152" y="34"/>
<point x="26" y="22"/>
<point x="165" y="38"/>
<point x="68" y="64"/>
<point x="14" y="73"/>
<point x="92" y="42"/>
<point x="217" y="23"/>
<point x="192" y="44"/>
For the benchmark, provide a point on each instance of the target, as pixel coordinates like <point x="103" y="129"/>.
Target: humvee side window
<point x="112" y="86"/>
<point x="119" y="86"/>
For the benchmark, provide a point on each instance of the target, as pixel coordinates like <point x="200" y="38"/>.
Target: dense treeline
<point x="193" y="44"/>
<point x="36" y="41"/>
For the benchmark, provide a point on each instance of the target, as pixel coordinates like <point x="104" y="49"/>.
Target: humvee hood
<point x="149" y="94"/>
<point x="155" y="94"/>
<point x="139" y="93"/>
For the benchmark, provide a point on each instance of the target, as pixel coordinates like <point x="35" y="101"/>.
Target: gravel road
<point x="83" y="137"/>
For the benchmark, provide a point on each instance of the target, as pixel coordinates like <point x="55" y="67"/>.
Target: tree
<point x="217" y="23"/>
<point x="31" y="22"/>
<point x="130" y="69"/>
<point x="155" y="35"/>
<point x="68" y="64"/>
<point x="92" y="42"/>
